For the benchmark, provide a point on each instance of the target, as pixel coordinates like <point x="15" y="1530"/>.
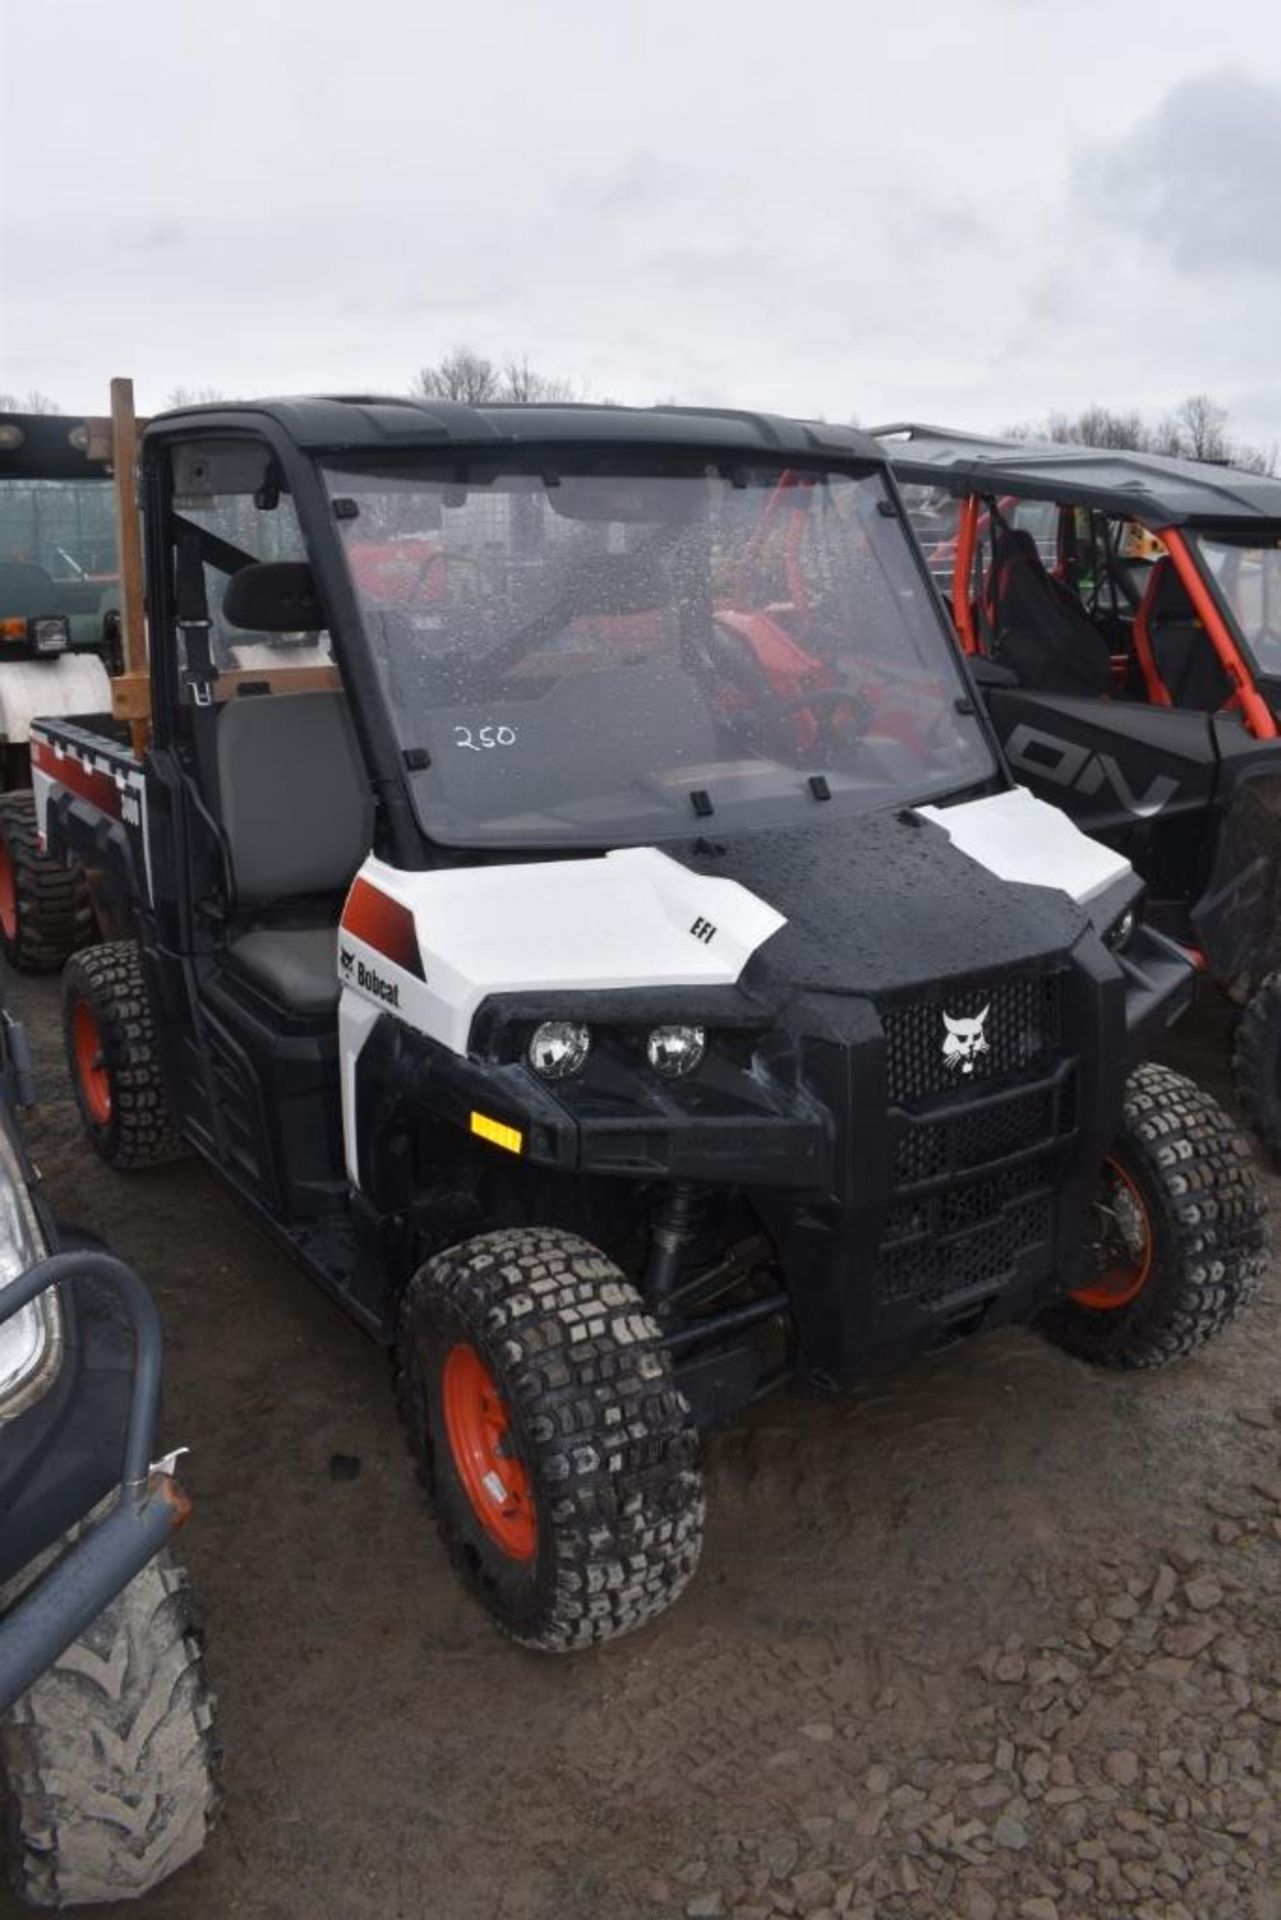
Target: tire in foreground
<point x="108" y="1766"/>
<point x="553" y="1438"/>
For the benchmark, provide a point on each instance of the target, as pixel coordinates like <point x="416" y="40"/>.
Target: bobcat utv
<point x="1133" y="673"/>
<point x="59" y="615"/>
<point x="622" y="970"/>
<point x="107" y="1756"/>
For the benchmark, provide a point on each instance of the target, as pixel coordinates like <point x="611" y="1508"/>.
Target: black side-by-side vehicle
<point x="1122" y="612"/>
<point x="575" y="898"/>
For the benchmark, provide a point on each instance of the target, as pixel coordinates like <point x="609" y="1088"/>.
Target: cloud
<point x="959" y="213"/>
<point x="1199" y="179"/>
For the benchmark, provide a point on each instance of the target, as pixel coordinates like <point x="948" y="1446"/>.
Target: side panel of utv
<point x="1141" y="778"/>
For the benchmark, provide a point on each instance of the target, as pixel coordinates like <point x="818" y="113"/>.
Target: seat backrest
<point x="295" y="801"/>
<point x="1181" y="650"/>
<point x="26" y="591"/>
<point x="1041" y="630"/>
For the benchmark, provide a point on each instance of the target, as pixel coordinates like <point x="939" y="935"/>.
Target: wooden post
<point x="131" y="690"/>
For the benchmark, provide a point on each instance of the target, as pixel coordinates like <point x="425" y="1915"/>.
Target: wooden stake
<point x="130" y="691"/>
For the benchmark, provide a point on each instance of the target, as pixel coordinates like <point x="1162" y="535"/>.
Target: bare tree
<point x="464" y="375"/>
<point x="193" y="396"/>
<point x="1202" y="424"/>
<point x="523" y="382"/>
<point x="1095" y="426"/>
<point x="32" y="401"/>
<point x="1257" y="459"/>
<point x="1197" y="429"/>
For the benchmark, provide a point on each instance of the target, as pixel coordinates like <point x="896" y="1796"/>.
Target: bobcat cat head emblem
<point x="965" y="1040"/>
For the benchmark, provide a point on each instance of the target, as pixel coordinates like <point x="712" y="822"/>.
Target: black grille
<point x="1023" y="1025"/>
<point x="975" y="1135"/>
<point x="978" y="1223"/>
<point x="966" y="1239"/>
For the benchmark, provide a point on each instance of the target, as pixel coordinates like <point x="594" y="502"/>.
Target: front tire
<point x="552" y="1436"/>
<point x="1182" y="1240"/>
<point x="108" y="1765"/>
<point x="1256" y="1063"/>
<point x="45" y="911"/>
<point x="113" y="1056"/>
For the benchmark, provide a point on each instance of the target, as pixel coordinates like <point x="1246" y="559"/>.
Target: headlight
<point x="1122" y="930"/>
<point x="30" y="1341"/>
<point x="559" y="1048"/>
<point x="675" y="1051"/>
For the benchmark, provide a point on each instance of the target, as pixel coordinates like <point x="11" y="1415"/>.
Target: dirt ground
<point x="998" y="1637"/>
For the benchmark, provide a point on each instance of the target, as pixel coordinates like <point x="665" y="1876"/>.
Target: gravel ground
<point x="997" y="1639"/>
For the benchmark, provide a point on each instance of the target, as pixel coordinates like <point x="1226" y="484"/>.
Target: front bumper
<point x="907" y="1203"/>
<point x="60" y="1464"/>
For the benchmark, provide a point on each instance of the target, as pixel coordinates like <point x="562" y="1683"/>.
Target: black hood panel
<point x="876" y="904"/>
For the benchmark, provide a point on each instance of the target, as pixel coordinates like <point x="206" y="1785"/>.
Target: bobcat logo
<point x="965" y="1040"/>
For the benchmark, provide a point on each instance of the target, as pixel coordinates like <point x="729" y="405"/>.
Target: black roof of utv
<point x="387" y="424"/>
<point x="1150" y="486"/>
<point x="47" y="446"/>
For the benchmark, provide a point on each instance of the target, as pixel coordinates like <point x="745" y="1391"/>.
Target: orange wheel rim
<point x="8" y="896"/>
<point x="478" y="1428"/>
<point x="1126" y="1274"/>
<point x="92" y="1077"/>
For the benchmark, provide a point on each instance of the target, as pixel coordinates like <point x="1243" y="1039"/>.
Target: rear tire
<point x="113" y="1056"/>
<point x="571" y="1504"/>
<point x="1256" y="1063"/>
<point x="108" y="1766"/>
<point x="1183" y="1236"/>
<point x="45" y="911"/>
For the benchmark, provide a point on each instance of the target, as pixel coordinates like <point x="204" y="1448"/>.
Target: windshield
<point x="609" y="653"/>
<point x="1247" y="572"/>
<point x="58" y="551"/>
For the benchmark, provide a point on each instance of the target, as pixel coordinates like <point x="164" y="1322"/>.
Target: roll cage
<point x="1171" y="500"/>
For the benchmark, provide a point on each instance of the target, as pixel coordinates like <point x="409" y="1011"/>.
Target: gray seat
<point x="297" y="966"/>
<point x="298" y="815"/>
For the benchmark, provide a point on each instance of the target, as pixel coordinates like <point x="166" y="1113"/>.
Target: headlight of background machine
<point x="31" y="1340"/>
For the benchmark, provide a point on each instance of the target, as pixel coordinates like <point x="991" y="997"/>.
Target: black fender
<point x="76" y="830"/>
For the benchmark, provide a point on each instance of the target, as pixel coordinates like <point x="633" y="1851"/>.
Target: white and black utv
<point x="108" y="1759"/>
<point x="575" y="899"/>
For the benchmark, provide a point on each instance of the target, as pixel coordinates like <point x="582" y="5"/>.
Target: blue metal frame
<point x="149" y="1506"/>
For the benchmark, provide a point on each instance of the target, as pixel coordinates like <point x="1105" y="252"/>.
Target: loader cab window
<point x="58" y="552"/>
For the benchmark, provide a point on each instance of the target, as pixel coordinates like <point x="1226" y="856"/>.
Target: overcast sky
<point x="970" y="213"/>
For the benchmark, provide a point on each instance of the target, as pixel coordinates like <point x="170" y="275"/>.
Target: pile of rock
<point x="1129" y="1764"/>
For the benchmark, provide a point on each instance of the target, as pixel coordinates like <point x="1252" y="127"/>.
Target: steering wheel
<point x="731" y="657"/>
<point x="821" y="706"/>
<point x="725" y="657"/>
